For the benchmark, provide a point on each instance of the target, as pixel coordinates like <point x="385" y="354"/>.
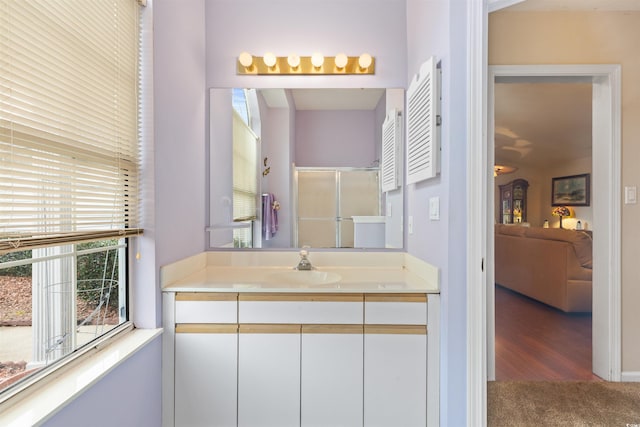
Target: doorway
<point x="606" y="212"/>
<point x="543" y="130"/>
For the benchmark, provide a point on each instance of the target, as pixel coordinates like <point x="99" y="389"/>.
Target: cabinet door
<point x="331" y="383"/>
<point x="395" y="376"/>
<point x="301" y="308"/>
<point x="395" y="309"/>
<point x="269" y="375"/>
<point x="206" y="307"/>
<point x="206" y="375"/>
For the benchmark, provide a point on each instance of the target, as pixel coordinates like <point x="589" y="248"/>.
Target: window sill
<point x="32" y="407"/>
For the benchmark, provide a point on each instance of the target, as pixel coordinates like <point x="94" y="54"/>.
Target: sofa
<point x="551" y="265"/>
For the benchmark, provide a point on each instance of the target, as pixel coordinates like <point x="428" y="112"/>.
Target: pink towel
<point x="269" y="216"/>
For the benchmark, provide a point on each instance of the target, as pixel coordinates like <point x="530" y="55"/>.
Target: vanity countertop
<point x="396" y="273"/>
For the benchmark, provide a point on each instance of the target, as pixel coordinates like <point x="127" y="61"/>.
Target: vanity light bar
<point x="317" y="64"/>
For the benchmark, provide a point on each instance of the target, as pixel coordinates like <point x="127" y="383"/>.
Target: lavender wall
<point x="220" y="166"/>
<point x="180" y="123"/>
<point x="306" y="26"/>
<point x="128" y="396"/>
<point x="438" y="28"/>
<point x="275" y="145"/>
<point x="336" y="138"/>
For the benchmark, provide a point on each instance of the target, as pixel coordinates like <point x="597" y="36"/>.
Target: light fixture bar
<point x="258" y="65"/>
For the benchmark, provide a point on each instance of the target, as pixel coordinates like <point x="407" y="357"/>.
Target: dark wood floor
<point x="538" y="342"/>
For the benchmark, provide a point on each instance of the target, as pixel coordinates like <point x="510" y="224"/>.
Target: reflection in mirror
<point x="301" y="167"/>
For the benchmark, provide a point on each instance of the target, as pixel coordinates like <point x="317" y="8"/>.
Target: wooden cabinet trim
<point x="269" y="328"/>
<point x="206" y="296"/>
<point x="332" y="329"/>
<point x="284" y="296"/>
<point x="395" y="298"/>
<point x="206" y="328"/>
<point x="396" y="329"/>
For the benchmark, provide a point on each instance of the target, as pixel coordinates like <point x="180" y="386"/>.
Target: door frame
<point x="606" y="190"/>
<point x="477" y="184"/>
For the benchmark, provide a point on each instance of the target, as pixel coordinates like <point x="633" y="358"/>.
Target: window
<point x="69" y="166"/>
<point x="245" y="171"/>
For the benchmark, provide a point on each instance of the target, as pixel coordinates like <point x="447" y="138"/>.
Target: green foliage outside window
<point x="97" y="272"/>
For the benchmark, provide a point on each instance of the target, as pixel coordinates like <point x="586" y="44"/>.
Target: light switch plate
<point x="434" y="208"/>
<point x="630" y="195"/>
<point x="410" y="225"/>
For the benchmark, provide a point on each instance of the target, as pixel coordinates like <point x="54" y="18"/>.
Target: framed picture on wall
<point x="574" y="190"/>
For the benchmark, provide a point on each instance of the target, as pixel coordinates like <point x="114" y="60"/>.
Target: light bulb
<point x="245" y="59"/>
<point x="293" y="60"/>
<point x="365" y="60"/>
<point x="317" y="60"/>
<point x="341" y="60"/>
<point x="269" y="59"/>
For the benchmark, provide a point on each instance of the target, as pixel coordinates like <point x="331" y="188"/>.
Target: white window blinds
<point x="68" y="121"/>
<point x="245" y="170"/>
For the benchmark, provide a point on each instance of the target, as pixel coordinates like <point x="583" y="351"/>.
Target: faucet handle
<point x="304" y="251"/>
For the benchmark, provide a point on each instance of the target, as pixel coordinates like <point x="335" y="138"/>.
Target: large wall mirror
<point x="301" y="167"/>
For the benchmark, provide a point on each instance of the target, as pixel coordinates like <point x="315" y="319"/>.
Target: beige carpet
<point x="567" y="403"/>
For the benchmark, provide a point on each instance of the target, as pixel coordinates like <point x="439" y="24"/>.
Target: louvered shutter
<point x="391" y="137"/>
<point x="423" y="139"/>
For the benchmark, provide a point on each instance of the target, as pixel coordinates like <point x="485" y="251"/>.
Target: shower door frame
<point x="338" y="219"/>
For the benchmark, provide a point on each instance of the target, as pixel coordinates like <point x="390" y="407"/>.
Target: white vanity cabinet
<point x="332" y="381"/>
<point x="296" y="357"/>
<point x="205" y="375"/>
<point x="395" y="376"/>
<point x="395" y="360"/>
<point x="301" y="359"/>
<point x="269" y="375"/>
<point x="205" y="359"/>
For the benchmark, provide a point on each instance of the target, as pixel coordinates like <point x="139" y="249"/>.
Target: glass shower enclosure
<point x="327" y="200"/>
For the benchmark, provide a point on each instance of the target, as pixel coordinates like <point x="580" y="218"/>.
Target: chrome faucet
<point x="304" y="263"/>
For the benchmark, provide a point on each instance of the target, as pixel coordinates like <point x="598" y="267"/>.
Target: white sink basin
<point x="298" y="277"/>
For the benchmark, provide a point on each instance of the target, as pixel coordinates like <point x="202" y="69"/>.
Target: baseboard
<point x="632" y="376"/>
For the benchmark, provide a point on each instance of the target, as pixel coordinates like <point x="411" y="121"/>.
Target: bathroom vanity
<point x="249" y="341"/>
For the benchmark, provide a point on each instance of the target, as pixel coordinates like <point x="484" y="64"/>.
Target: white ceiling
<point x="325" y="99"/>
<point x="542" y="123"/>
<point x="337" y="99"/>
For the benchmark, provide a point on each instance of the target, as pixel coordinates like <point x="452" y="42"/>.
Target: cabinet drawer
<point x="301" y="308"/>
<point x="395" y="309"/>
<point x="197" y="307"/>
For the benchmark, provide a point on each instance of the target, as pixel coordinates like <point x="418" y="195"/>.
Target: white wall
<point x="438" y="28"/>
